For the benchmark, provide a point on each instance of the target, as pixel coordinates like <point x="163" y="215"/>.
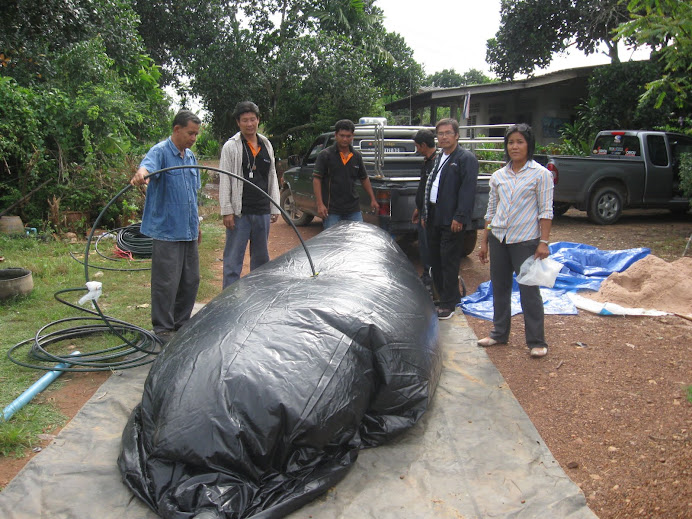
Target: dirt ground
<point x="609" y="399"/>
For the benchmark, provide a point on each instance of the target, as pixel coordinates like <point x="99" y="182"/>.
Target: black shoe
<point x="165" y="336"/>
<point x="445" y="313"/>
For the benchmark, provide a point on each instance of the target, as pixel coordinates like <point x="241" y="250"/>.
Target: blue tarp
<point x="584" y="267"/>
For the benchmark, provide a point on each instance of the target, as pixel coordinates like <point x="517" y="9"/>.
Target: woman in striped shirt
<point x="518" y="222"/>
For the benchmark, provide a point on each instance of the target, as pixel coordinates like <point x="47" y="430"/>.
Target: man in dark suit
<point x="449" y="197"/>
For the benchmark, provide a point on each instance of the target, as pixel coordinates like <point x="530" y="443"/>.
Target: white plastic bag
<point x="539" y="272"/>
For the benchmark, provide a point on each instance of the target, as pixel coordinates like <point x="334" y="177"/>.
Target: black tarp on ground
<point x="262" y="402"/>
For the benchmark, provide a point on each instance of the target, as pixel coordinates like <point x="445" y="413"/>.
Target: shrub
<point x="686" y="175"/>
<point x="67" y="140"/>
<point x="207" y="146"/>
<point x="491" y="152"/>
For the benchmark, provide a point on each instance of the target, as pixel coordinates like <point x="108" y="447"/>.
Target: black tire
<point x="560" y="208"/>
<point x="298" y="218"/>
<point x="469" y="243"/>
<point x="679" y="212"/>
<point x="605" y="205"/>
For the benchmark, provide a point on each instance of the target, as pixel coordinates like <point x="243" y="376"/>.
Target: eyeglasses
<point x="445" y="134"/>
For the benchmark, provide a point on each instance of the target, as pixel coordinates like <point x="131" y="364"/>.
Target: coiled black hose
<point x="130" y="239"/>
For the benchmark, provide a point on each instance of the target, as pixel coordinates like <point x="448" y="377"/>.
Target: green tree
<point x="34" y="31"/>
<point x="665" y="25"/>
<point x="337" y="79"/>
<point x="22" y="150"/>
<point x="614" y="102"/>
<point x="272" y="61"/>
<point x="173" y="29"/>
<point x="300" y="61"/>
<point x="475" y="77"/>
<point x="451" y="78"/>
<point x="396" y="74"/>
<point x="87" y="92"/>
<point x="444" y="79"/>
<point x="613" y="97"/>
<point x="357" y="18"/>
<point x="532" y="31"/>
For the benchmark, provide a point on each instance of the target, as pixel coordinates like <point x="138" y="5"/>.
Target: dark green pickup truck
<point x="394" y="171"/>
<point x="626" y="169"/>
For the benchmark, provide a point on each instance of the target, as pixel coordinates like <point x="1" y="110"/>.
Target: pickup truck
<point x="394" y="171"/>
<point x="626" y="169"/>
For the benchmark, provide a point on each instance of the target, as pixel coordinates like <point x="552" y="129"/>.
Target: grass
<point x="688" y="393"/>
<point x="126" y="296"/>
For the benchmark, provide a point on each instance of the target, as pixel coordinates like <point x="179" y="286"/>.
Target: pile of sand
<point x="650" y="283"/>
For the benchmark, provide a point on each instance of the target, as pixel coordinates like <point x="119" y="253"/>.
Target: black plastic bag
<point x="263" y="400"/>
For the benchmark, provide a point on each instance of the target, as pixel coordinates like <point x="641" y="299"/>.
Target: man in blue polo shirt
<point x="171" y="220"/>
<point x="334" y="179"/>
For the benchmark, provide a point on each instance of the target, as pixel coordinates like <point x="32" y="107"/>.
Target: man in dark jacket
<point x="424" y="141"/>
<point x="449" y="197"/>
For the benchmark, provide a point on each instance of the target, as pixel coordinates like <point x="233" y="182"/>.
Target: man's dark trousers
<point x="446" y="248"/>
<point x="174" y="283"/>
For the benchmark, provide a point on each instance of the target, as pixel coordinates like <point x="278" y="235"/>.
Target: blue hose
<point x="38" y="386"/>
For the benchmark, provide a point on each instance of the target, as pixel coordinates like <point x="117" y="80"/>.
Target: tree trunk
<point x="613" y="51"/>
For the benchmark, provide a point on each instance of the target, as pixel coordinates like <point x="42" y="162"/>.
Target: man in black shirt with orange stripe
<point x="334" y="179"/>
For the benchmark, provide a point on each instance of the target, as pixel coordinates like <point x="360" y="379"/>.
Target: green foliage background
<point x="81" y="84"/>
<point x="77" y="95"/>
<point x="686" y="175"/>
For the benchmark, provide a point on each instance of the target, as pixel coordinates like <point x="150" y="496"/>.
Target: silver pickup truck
<point x="626" y="169"/>
<point x="394" y="171"/>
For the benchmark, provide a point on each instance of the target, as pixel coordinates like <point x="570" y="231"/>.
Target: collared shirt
<point x="437" y="172"/>
<point x="339" y="180"/>
<point x="517" y="201"/>
<point x="170" y="207"/>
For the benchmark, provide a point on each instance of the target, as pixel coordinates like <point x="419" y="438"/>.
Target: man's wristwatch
<point x="544" y="241"/>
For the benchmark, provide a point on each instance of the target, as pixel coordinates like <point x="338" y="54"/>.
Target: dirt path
<point x="609" y="399"/>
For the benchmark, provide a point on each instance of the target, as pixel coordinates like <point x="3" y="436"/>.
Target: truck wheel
<point x="605" y="205"/>
<point x="298" y="218"/>
<point x="680" y="211"/>
<point x="469" y="243"/>
<point x="560" y="208"/>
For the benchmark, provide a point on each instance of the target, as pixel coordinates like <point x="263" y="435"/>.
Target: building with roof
<point x="545" y="102"/>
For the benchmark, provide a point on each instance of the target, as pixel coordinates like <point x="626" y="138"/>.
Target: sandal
<point x="539" y="352"/>
<point x="484" y="343"/>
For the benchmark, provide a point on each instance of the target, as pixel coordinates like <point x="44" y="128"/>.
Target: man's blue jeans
<point x="248" y="227"/>
<point x="332" y="219"/>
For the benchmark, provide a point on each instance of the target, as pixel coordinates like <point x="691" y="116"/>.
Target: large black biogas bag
<point x="263" y="400"/>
